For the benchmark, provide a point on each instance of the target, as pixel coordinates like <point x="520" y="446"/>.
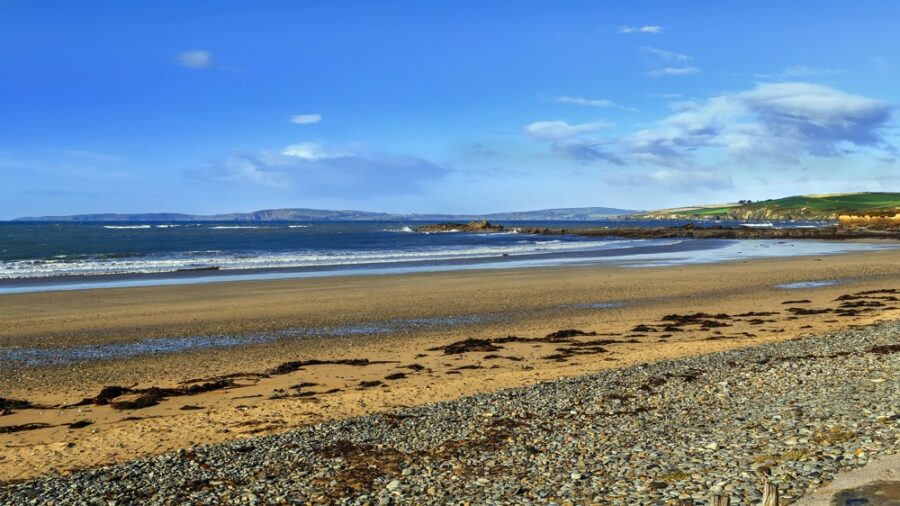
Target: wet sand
<point x="632" y="312"/>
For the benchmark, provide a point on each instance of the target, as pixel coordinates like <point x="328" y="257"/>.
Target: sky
<point x="441" y="106"/>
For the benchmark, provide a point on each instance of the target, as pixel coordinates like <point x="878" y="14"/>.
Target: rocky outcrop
<point x="471" y="227"/>
<point x="685" y="231"/>
<point x="719" y="232"/>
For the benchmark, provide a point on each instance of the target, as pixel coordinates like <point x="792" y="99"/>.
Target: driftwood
<point x="719" y="500"/>
<point x="770" y="497"/>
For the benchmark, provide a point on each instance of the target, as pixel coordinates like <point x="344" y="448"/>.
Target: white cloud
<point x="306" y="119"/>
<point x="773" y="120"/>
<point x="590" y="102"/>
<point x="556" y="129"/>
<point x="195" y="59"/>
<point x="784" y="122"/>
<point x="640" y="29"/>
<point x="312" y="151"/>
<point x="674" y="71"/>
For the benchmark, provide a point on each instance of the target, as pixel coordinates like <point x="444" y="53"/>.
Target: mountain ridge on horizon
<point x="305" y="214"/>
<point x="802" y="207"/>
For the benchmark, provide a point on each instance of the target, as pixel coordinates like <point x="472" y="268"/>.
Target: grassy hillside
<point x="804" y="207"/>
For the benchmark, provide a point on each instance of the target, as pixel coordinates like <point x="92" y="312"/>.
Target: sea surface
<point x="50" y="256"/>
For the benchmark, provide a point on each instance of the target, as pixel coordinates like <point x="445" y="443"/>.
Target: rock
<point x="480" y="226"/>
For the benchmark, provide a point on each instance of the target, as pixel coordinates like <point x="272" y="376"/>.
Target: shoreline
<point x="626" y="308"/>
<point x="706" y="250"/>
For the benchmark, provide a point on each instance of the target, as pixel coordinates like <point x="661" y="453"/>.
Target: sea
<point x="60" y="256"/>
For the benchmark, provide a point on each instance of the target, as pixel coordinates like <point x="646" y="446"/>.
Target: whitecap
<point x="404" y="229"/>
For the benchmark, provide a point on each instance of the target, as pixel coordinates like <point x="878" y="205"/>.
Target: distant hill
<point x="803" y="207"/>
<point x="568" y="214"/>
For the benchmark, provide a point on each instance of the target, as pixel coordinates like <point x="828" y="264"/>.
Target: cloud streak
<point x="306" y="119"/>
<point x="588" y="102"/>
<point x="640" y="29"/>
<point x="195" y="59"/>
<point x="674" y="71"/>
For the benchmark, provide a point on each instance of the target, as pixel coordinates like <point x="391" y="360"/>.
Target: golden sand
<point x="530" y="303"/>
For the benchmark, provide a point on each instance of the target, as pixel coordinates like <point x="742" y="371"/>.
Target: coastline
<point x="614" y="302"/>
<point x="685" y="250"/>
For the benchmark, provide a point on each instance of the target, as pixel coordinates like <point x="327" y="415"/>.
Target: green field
<point x="806" y="207"/>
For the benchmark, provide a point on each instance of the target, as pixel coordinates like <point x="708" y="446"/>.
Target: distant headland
<point x="308" y="215"/>
<point x="829" y="207"/>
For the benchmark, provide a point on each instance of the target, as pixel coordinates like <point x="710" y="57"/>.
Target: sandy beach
<point x="218" y="393"/>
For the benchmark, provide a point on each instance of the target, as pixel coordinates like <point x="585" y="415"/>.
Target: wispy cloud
<point x="557" y="129"/>
<point x="674" y="71"/>
<point x="799" y="72"/>
<point x="640" y="29"/>
<point x="880" y="63"/>
<point x="69" y="163"/>
<point x="670" y="63"/>
<point x="568" y="141"/>
<point x="589" y="102"/>
<point x="306" y="119"/>
<point x="804" y="71"/>
<point x="683" y="180"/>
<point x="667" y="56"/>
<point x="586" y="150"/>
<point x="195" y="59"/>
<point x="312" y="168"/>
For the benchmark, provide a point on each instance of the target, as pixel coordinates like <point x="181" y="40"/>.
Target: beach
<point x="380" y="343"/>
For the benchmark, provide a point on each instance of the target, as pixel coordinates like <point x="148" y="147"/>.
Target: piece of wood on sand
<point x="770" y="495"/>
<point x="719" y="500"/>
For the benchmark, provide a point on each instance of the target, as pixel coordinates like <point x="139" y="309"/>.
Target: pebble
<point x="670" y="432"/>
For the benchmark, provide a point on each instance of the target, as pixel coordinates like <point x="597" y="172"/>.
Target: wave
<point x="405" y="229"/>
<point x="104" y="264"/>
<point x="126" y="227"/>
<point x="167" y="226"/>
<point x="298" y="226"/>
<point x="235" y="227"/>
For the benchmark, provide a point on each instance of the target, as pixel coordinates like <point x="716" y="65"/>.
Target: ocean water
<point x="81" y="255"/>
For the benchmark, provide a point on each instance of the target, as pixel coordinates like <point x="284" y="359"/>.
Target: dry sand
<point x="530" y="303"/>
<point x="875" y="484"/>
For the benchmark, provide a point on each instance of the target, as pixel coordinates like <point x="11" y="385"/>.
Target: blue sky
<point x="441" y="106"/>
